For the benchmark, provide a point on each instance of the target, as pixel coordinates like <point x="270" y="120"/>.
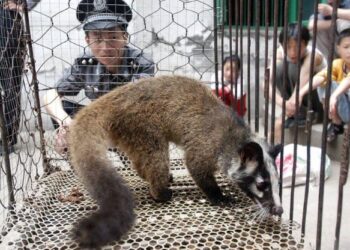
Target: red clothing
<point x="238" y="105"/>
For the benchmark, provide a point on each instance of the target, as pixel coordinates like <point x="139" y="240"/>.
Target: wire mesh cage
<point x="47" y="55"/>
<point x="20" y="140"/>
<point x="37" y="206"/>
<point x="177" y="36"/>
<point x="44" y="221"/>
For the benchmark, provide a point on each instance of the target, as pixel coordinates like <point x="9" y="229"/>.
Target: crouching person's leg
<point x="343" y="108"/>
<point x="336" y="127"/>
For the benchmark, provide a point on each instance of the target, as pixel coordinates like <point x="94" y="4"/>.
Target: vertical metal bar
<point x="237" y="21"/>
<point x="35" y="86"/>
<point x="234" y="81"/>
<point x="309" y="122"/>
<point x="230" y="29"/>
<point x="216" y="64"/>
<point x="230" y="43"/>
<point x="285" y="70"/>
<point x="241" y="56"/>
<point x="248" y="58"/>
<point x="267" y="71"/>
<point x="273" y="78"/>
<point x="5" y="156"/>
<point x="236" y="24"/>
<point x="342" y="181"/>
<point x="222" y="50"/>
<point x="257" y="64"/>
<point x="324" y="132"/>
<point x="267" y="100"/>
<point x="296" y="130"/>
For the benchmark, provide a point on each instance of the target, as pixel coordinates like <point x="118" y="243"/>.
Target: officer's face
<point x="107" y="46"/>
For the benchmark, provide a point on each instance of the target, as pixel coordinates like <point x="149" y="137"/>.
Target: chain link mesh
<point x="176" y="35"/>
<point x="179" y="36"/>
<point x="188" y="221"/>
<point x="21" y="158"/>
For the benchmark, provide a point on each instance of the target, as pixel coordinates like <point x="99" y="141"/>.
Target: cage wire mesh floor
<point x="188" y="221"/>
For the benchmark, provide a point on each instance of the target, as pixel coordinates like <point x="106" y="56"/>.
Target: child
<point x="339" y="103"/>
<point x="287" y="90"/>
<point x="231" y="87"/>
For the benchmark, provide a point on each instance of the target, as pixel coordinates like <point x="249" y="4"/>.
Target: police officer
<point x="109" y="63"/>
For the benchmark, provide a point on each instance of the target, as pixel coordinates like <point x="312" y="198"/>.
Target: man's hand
<point x="12" y="5"/>
<point x="61" y="140"/>
<point x="67" y="122"/>
<point x="325" y="9"/>
<point x="291" y="106"/>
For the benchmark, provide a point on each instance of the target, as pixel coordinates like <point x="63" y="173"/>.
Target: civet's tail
<point x="115" y="215"/>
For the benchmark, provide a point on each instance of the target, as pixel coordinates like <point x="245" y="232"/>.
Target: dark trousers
<point x="287" y="90"/>
<point x="71" y="108"/>
<point x="12" y="53"/>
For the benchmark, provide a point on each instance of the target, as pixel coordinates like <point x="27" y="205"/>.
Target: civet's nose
<point x="277" y="210"/>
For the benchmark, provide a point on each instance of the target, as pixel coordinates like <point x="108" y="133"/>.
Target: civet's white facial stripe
<point x="255" y="190"/>
<point x="274" y="179"/>
<point x="250" y="167"/>
<point x="268" y="161"/>
<point x="248" y="170"/>
<point x="259" y="179"/>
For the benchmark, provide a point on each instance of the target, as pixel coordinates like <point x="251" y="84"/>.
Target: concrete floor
<point x="330" y="205"/>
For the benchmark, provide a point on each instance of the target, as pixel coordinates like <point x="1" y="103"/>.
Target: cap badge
<point x="99" y="4"/>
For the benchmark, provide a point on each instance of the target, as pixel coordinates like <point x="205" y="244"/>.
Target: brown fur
<point x="141" y="119"/>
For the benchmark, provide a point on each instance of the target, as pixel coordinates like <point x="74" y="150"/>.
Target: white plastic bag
<point x="301" y="166"/>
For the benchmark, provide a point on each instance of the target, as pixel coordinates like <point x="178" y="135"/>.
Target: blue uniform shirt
<point x="88" y="74"/>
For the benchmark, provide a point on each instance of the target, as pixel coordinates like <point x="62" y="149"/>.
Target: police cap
<point x="103" y="14"/>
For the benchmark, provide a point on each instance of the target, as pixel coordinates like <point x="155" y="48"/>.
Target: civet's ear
<point x="275" y="150"/>
<point x="251" y="151"/>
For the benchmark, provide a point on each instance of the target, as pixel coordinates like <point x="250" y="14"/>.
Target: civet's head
<point x="257" y="175"/>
